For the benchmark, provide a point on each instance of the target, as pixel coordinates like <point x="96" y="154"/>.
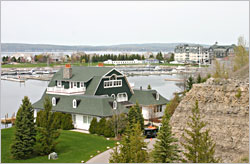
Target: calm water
<point x="12" y="93"/>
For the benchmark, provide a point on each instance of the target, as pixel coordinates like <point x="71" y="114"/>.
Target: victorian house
<point x="88" y="92"/>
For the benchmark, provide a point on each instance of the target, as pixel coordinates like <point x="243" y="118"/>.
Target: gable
<point x="114" y="71"/>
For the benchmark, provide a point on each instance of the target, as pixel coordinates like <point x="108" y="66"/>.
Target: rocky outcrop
<point x="227" y="115"/>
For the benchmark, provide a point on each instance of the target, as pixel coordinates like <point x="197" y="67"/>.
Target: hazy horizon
<point x="108" y="23"/>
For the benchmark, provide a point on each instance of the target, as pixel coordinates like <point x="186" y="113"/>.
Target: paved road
<point x="104" y="157"/>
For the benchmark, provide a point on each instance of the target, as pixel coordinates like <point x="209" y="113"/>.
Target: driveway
<point x="104" y="157"/>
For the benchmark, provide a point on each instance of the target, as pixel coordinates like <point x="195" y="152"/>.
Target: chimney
<point x="140" y="87"/>
<point x="67" y="71"/>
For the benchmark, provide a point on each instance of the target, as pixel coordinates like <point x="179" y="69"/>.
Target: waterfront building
<point x="192" y="54"/>
<point x="88" y="92"/>
<point x="116" y="62"/>
<point x="221" y="51"/>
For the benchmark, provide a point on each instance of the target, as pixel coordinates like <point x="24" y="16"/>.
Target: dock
<point x="173" y="79"/>
<point x="13" y="79"/>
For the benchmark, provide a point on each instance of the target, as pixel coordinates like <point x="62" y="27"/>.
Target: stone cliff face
<point x="226" y="114"/>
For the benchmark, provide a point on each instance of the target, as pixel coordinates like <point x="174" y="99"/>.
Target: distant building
<point x="151" y="61"/>
<point x="117" y="62"/>
<point x="192" y="54"/>
<point x="100" y="92"/>
<point x="221" y="51"/>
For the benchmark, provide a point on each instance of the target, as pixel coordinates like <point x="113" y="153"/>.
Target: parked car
<point x="150" y="132"/>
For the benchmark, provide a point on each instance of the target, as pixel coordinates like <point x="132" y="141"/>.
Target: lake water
<point x="12" y="93"/>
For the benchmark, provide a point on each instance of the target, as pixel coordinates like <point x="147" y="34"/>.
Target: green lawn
<point x="73" y="147"/>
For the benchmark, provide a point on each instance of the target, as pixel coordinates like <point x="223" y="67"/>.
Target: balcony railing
<point x="63" y="91"/>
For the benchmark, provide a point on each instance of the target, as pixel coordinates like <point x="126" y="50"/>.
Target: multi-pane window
<point x="112" y="83"/>
<point x="159" y="108"/>
<point x="85" y="119"/>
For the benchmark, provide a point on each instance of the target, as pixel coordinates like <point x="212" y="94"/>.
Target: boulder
<point x="53" y="155"/>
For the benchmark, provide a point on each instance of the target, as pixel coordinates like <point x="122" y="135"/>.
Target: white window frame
<point x="74" y="84"/>
<point x="81" y="84"/>
<point x="113" y="95"/>
<point x="53" y="101"/>
<point x="112" y="83"/>
<point x="121" y="96"/>
<point x="157" y="96"/>
<point x="59" y="83"/>
<point x="114" y="105"/>
<point x="74" y="103"/>
<point x="86" y="119"/>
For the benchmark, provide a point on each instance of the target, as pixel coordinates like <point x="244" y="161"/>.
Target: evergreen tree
<point x="190" y="83"/>
<point x="199" y="80"/>
<point x="66" y="121"/>
<point x="133" y="149"/>
<point x="135" y="115"/>
<point x="149" y="86"/>
<point x="171" y="58"/>
<point x="109" y="129"/>
<point x="101" y="126"/>
<point x="25" y="134"/>
<point x="47" y="135"/>
<point x="165" y="149"/>
<point x="199" y="146"/>
<point x="93" y="126"/>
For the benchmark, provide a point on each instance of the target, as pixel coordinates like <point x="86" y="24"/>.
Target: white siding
<point x="145" y="112"/>
<point x="79" y="124"/>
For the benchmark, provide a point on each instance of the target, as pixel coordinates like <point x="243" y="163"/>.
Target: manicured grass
<point x="73" y="147"/>
<point x="26" y="65"/>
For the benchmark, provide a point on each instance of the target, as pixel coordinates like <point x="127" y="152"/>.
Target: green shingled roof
<point x="93" y="85"/>
<point x="147" y="97"/>
<point x="89" y="105"/>
<point x="83" y="73"/>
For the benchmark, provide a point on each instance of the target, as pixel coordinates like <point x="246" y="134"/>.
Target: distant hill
<point x="155" y="47"/>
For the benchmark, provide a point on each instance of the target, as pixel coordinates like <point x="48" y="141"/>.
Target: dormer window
<point x="113" y="95"/>
<point x="114" y="105"/>
<point x="53" y="101"/>
<point x="157" y="96"/>
<point x="74" y="103"/>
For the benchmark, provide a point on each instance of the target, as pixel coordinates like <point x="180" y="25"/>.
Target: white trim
<point x="114" y="105"/>
<point x="112" y="83"/>
<point x="74" y="103"/>
<point x="113" y="95"/>
<point x="122" y="98"/>
<point x="59" y="83"/>
<point x="111" y="71"/>
<point x="53" y="101"/>
<point x="157" y="96"/>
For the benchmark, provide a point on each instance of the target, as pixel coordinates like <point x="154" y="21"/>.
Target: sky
<point x="123" y="22"/>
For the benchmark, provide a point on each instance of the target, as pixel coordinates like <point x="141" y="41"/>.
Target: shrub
<point x="66" y="122"/>
<point x="57" y="121"/>
<point x="93" y="126"/>
<point x="238" y="95"/>
<point x="60" y="120"/>
<point x="109" y="130"/>
<point x="100" y="126"/>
